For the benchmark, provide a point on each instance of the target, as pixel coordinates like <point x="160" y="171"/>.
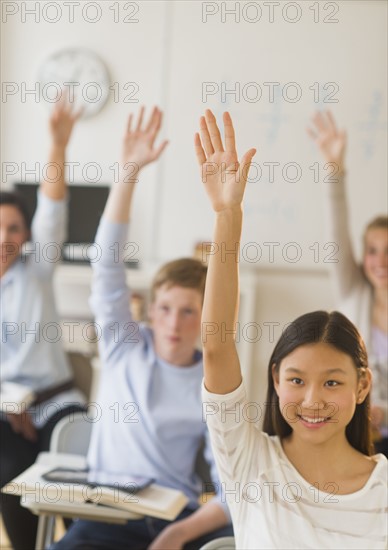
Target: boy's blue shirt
<point x="148" y="417"/>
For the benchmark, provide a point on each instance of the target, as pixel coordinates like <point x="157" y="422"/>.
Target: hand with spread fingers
<point x="330" y="141"/>
<point x="137" y="150"/>
<point x="139" y="142"/>
<point x="223" y="175"/>
<point x="62" y="121"/>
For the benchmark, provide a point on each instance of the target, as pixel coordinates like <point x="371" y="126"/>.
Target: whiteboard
<point x="341" y="66"/>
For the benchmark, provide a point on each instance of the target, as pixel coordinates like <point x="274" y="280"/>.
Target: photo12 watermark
<point x="73" y="172"/>
<point x="292" y="252"/>
<point x="69" y="332"/>
<point x="52" y="12"/>
<point x="269" y="92"/>
<point x="116" y="412"/>
<point x="75" y="92"/>
<point x="272" y="171"/>
<point x="273" y="492"/>
<point x="270" y="12"/>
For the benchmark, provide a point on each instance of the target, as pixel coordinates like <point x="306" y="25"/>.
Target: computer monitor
<point x="86" y="205"/>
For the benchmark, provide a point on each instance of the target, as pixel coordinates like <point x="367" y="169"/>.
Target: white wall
<point x="132" y="52"/>
<point x="170" y="53"/>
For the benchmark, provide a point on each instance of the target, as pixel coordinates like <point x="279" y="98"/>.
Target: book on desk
<point x="154" y="500"/>
<point x="15" y="397"/>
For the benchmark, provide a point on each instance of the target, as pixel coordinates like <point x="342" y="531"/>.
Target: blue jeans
<point x="134" y="535"/>
<point x="16" y="455"/>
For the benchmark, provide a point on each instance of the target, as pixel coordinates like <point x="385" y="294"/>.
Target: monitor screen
<point x="86" y="205"/>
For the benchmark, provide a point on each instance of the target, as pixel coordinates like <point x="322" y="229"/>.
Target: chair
<point x="71" y="435"/>
<point x="224" y="543"/>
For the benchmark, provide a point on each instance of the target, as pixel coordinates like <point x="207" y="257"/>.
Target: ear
<point x="364" y="385"/>
<point x="275" y="377"/>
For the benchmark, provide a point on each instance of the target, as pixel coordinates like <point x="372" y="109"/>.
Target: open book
<point x="155" y="500"/>
<point x="15" y="397"/>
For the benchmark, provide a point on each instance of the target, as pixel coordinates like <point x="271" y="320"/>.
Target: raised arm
<point x="224" y="178"/>
<point x="332" y="145"/>
<point x="110" y="294"/>
<point x="138" y="150"/>
<point x="62" y="121"/>
<point x="49" y="225"/>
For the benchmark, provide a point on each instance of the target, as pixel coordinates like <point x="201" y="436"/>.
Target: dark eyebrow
<point x="293" y="369"/>
<point x="337" y="370"/>
<point x="329" y="371"/>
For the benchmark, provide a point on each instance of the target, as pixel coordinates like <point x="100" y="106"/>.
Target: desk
<point x="47" y="511"/>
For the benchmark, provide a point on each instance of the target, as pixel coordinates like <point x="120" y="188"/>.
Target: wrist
<point x="341" y="170"/>
<point x="57" y="149"/>
<point x="181" y="529"/>
<point x="339" y="165"/>
<point x="131" y="161"/>
<point x="130" y="166"/>
<point x="129" y="172"/>
<point x="230" y="212"/>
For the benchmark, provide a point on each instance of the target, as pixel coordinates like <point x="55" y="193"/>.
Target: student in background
<point x="27" y="307"/>
<point x="307" y="480"/>
<point x="151" y="375"/>
<point x="361" y="290"/>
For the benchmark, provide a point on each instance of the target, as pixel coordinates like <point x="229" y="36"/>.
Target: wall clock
<point x="81" y="73"/>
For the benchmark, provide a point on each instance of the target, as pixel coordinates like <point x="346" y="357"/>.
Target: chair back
<point x="72" y="435"/>
<point x="223" y="543"/>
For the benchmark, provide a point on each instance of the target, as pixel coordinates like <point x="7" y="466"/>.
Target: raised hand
<point x="139" y="142"/>
<point x="330" y="141"/>
<point x="223" y="175"/>
<point x="62" y="121"/>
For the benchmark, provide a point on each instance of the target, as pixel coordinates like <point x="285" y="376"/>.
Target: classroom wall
<point x="27" y="40"/>
<point x="173" y="50"/>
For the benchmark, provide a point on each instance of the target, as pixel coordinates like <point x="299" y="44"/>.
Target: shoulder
<point x="368" y="473"/>
<point x="378" y="467"/>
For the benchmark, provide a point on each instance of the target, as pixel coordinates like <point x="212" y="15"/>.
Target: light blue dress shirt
<point x="148" y="415"/>
<point x="31" y="341"/>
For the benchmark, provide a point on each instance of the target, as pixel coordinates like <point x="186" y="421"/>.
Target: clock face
<point x="79" y="73"/>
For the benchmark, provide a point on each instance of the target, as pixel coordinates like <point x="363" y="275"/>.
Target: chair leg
<point x="45" y="534"/>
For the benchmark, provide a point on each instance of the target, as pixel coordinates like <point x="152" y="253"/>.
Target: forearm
<point x="54" y="185"/>
<point x="119" y="202"/>
<point x="206" y="519"/>
<point x="110" y="296"/>
<point x="222" y="370"/>
<point x="344" y="267"/>
<point x="109" y="288"/>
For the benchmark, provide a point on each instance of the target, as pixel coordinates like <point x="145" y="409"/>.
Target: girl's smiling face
<point x="319" y="388"/>
<point x="376" y="257"/>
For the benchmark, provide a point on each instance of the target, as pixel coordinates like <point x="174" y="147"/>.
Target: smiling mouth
<point x="318" y="420"/>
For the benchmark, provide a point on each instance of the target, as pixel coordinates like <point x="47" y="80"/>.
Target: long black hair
<point x="334" y="329"/>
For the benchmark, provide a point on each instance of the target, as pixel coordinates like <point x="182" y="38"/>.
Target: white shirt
<point x="31" y="349"/>
<point x="271" y="504"/>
